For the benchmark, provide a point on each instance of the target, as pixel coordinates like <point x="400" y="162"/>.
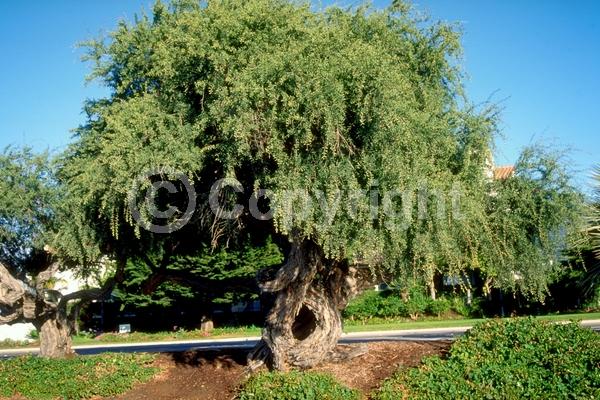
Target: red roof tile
<point x="504" y="172"/>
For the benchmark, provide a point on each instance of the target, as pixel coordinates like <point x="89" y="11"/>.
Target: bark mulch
<point x="216" y="375"/>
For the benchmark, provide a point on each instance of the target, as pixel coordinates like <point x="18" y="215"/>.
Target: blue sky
<point x="539" y="59"/>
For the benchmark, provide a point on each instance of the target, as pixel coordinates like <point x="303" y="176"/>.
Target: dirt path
<point x="216" y="375"/>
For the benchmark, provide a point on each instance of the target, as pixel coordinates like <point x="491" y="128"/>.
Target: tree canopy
<point x="334" y="112"/>
<point x="280" y="97"/>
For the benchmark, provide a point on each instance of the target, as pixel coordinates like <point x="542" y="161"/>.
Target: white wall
<point x="15" y="331"/>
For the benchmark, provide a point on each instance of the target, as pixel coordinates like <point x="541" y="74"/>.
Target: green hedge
<point x="516" y="359"/>
<point x="75" y="378"/>
<point x="389" y="304"/>
<point x="295" y="385"/>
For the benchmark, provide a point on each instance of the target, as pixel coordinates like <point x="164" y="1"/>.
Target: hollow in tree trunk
<point x="304" y="324"/>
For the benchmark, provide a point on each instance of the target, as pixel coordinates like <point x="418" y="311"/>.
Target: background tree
<point x="195" y="282"/>
<point x="533" y="216"/>
<point x="594" y="216"/>
<point x="38" y="237"/>
<point x="514" y="230"/>
<point x="336" y="112"/>
<point x="588" y="250"/>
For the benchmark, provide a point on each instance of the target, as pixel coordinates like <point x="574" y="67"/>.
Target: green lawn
<point x="218" y="333"/>
<point x="379" y="325"/>
<point x="244" y="331"/>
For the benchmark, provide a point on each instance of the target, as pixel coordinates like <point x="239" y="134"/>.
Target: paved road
<point x="249" y="342"/>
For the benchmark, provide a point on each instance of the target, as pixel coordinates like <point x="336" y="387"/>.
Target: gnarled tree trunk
<point x="55" y="335"/>
<point x="21" y="301"/>
<point x="304" y="324"/>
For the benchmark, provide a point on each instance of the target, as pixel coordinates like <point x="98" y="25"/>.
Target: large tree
<point x="532" y="216"/>
<point x="354" y="122"/>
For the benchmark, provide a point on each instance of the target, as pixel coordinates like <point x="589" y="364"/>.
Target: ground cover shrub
<point x="295" y="385"/>
<point x="74" y="378"/>
<point x="417" y="304"/>
<point x="33" y="335"/>
<point x="364" y="306"/>
<point x="521" y="358"/>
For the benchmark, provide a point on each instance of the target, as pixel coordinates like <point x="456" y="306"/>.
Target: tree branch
<point x="44" y="276"/>
<point x="188" y="279"/>
<point x="10" y="318"/>
<point x="86" y="295"/>
<point x="287" y="273"/>
<point x="11" y="289"/>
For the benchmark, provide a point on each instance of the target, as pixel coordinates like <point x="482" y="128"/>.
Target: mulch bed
<point x="216" y="375"/>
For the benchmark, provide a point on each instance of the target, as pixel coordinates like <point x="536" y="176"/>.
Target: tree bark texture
<point x="46" y="309"/>
<point x="304" y="325"/>
<point x="55" y="335"/>
<point x="20" y="302"/>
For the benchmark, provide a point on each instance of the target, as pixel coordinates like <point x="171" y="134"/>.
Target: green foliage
<point x="76" y="378"/>
<point x="28" y="205"/>
<point x="10" y="343"/>
<point x="460" y="306"/>
<point x="374" y="304"/>
<point x="389" y="304"/>
<point x="33" y="334"/>
<point x="417" y="303"/>
<point x="317" y="107"/>
<point x="180" y="334"/>
<point x="295" y="385"/>
<point x="439" y="306"/>
<point x="532" y="215"/>
<point x="593" y="300"/>
<point x="593" y="227"/>
<point x="37" y="216"/>
<point x="591" y="243"/>
<point x="206" y="275"/>
<point x="512" y="359"/>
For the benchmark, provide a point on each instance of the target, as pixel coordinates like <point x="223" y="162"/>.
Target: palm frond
<point x="594" y="218"/>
